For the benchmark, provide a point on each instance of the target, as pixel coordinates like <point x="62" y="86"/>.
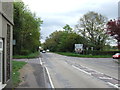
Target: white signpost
<point x="78" y="48"/>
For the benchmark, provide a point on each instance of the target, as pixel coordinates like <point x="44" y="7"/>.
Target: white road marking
<point x="41" y="61"/>
<point x="105" y="78"/>
<point x="92" y="70"/>
<point x="49" y="78"/>
<point x="116" y="86"/>
<point x="81" y="70"/>
<point x="51" y="83"/>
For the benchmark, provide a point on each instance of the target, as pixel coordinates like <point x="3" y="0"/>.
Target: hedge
<point x="100" y="52"/>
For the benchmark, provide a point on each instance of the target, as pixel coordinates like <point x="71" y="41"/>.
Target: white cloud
<point x="57" y="13"/>
<point x="53" y="6"/>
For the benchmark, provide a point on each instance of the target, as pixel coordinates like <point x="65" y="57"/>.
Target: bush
<point x="25" y="52"/>
<point x="100" y="52"/>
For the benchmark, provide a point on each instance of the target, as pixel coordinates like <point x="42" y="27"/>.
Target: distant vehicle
<point x="47" y="50"/>
<point x="43" y="51"/>
<point x="116" y="56"/>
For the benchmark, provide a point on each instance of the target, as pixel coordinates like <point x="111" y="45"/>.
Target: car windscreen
<point x="117" y="54"/>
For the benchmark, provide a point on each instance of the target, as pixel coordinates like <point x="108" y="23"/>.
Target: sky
<point x="57" y="13"/>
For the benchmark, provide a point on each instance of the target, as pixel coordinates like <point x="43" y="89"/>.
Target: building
<point x="6" y="28"/>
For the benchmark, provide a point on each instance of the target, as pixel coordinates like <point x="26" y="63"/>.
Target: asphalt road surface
<point x="74" y="72"/>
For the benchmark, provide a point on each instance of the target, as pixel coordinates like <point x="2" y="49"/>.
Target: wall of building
<point x="7" y="8"/>
<point x="0" y="19"/>
<point x="6" y="29"/>
<point x="0" y="25"/>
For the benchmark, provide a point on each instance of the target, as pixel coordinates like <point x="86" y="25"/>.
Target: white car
<point x="47" y="50"/>
<point x="43" y="51"/>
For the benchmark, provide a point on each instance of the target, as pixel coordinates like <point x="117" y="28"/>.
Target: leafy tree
<point x="113" y="28"/>
<point x="53" y="41"/>
<point x="68" y="40"/>
<point x="64" y="41"/>
<point x="26" y="29"/>
<point x="67" y="28"/>
<point x="91" y="27"/>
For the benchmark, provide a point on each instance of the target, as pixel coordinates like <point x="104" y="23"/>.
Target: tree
<point x="68" y="41"/>
<point x="63" y="41"/>
<point x="67" y="28"/>
<point x="91" y="27"/>
<point x="53" y="41"/>
<point x="26" y="29"/>
<point x="113" y="28"/>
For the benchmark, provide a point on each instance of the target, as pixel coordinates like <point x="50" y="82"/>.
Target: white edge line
<point x="41" y="61"/>
<point x="49" y="78"/>
<point x="48" y="74"/>
<point x="81" y="70"/>
<point x="112" y="85"/>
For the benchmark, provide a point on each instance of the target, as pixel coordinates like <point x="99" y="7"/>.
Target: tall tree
<point x="113" y="28"/>
<point x="26" y="29"/>
<point x="64" y="41"/>
<point x="91" y="26"/>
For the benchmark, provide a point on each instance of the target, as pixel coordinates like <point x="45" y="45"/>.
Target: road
<point x="74" y="72"/>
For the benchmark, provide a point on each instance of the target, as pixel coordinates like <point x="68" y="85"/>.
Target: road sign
<point x="78" y="48"/>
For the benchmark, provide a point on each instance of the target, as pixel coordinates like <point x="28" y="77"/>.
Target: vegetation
<point x="96" y="52"/>
<point x="16" y="66"/>
<point x="113" y="29"/>
<point x="86" y="56"/>
<point x="91" y="27"/>
<point x="89" y="32"/>
<point x="26" y="30"/>
<point x="32" y="55"/>
<point x="63" y="41"/>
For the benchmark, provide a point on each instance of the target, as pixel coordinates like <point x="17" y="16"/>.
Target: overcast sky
<point x="57" y="13"/>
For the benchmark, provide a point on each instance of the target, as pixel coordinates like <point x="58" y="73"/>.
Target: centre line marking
<point x="116" y="86"/>
<point x="81" y="70"/>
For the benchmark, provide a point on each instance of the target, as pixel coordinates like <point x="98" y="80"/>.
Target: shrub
<point x="95" y="52"/>
<point x="25" y="52"/>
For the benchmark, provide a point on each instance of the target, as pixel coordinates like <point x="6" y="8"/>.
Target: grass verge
<point x="32" y="55"/>
<point x="16" y="66"/>
<point x="85" y="56"/>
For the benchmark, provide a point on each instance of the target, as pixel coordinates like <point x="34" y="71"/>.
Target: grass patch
<point x="16" y="66"/>
<point x="86" y="56"/>
<point x="32" y="55"/>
